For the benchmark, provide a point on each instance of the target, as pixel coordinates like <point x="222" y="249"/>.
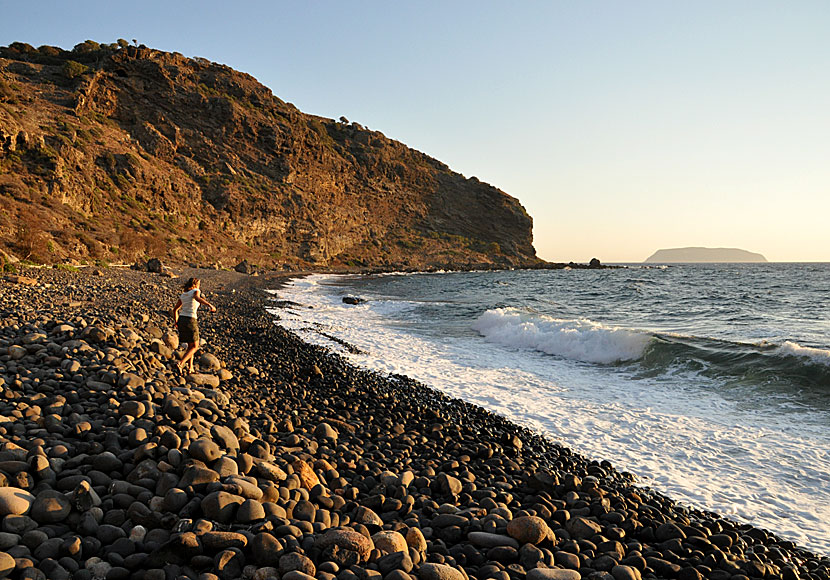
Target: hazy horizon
<point x="622" y="128"/>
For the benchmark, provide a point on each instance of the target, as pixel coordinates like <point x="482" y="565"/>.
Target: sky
<point x="622" y="127"/>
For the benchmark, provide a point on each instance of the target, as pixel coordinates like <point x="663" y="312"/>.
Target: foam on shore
<point x="753" y="469"/>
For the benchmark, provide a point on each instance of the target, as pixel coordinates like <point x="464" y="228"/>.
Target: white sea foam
<point x="816" y="355"/>
<point x="692" y="445"/>
<point x="581" y="340"/>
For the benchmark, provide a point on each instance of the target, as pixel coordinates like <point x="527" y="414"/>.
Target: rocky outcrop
<point x="128" y="152"/>
<point x="711" y="255"/>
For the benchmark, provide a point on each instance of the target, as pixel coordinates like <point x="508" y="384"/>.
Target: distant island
<point x="679" y="255"/>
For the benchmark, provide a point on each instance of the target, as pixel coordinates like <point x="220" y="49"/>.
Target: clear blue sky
<point x="623" y="127"/>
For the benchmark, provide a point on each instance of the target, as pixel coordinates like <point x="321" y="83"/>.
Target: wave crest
<point x="581" y="340"/>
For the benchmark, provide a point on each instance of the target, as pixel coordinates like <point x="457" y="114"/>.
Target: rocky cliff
<point x="116" y="153"/>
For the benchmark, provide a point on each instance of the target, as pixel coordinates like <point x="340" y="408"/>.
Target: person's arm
<point x="202" y="301"/>
<point x="176" y="309"/>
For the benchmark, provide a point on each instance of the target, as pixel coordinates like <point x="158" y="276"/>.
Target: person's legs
<point x="189" y="332"/>
<point x="187" y="357"/>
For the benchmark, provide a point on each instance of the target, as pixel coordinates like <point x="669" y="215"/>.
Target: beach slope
<point x="280" y="460"/>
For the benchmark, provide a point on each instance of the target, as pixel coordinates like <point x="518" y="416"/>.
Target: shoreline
<point x="387" y="455"/>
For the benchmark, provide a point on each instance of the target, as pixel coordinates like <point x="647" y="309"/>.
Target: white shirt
<point x="189" y="303"/>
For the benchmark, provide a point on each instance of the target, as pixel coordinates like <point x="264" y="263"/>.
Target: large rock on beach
<point x="7" y="564"/>
<point x="431" y="571"/>
<point x="348" y="540"/>
<point x="50" y="507"/>
<point x="528" y="529"/>
<point x="582" y="528"/>
<point x="15" y="501"/>
<point x="388" y="541"/>
<point x="553" y="574"/>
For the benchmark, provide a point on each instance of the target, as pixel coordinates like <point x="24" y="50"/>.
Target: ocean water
<point x="710" y="383"/>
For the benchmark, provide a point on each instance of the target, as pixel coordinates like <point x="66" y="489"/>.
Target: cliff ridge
<point x="117" y="152"/>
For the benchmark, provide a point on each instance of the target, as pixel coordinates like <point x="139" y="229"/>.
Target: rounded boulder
<point x="528" y="529"/>
<point x="347" y="540"/>
<point x="390" y="542"/>
<point x="15" y="501"/>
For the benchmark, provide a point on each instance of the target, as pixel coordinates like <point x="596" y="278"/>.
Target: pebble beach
<point x="278" y="459"/>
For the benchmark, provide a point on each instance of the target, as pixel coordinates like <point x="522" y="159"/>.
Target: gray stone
<point x="488" y="540"/>
<point x="430" y="571"/>
<point x="221" y="506"/>
<point x="209" y="362"/>
<point x="224" y="437"/>
<point x="347" y="540"/>
<point x="625" y="573"/>
<point x="204" y="450"/>
<point x="553" y="574"/>
<point x="582" y="528"/>
<point x="50" y="507"/>
<point x="528" y="529"/>
<point x="296" y="562"/>
<point x="448" y="485"/>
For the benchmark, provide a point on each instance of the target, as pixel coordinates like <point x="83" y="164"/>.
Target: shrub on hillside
<point x="30" y="240"/>
<point x="73" y="69"/>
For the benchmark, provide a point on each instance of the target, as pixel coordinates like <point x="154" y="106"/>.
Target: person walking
<point x="184" y="315"/>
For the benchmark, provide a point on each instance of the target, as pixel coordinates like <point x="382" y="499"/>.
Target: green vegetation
<point x="73" y="69"/>
<point x="66" y="267"/>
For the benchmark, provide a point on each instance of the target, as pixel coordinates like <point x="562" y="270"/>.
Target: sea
<point x="710" y="383"/>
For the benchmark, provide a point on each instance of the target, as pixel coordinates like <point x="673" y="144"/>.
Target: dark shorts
<point x="188" y="330"/>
